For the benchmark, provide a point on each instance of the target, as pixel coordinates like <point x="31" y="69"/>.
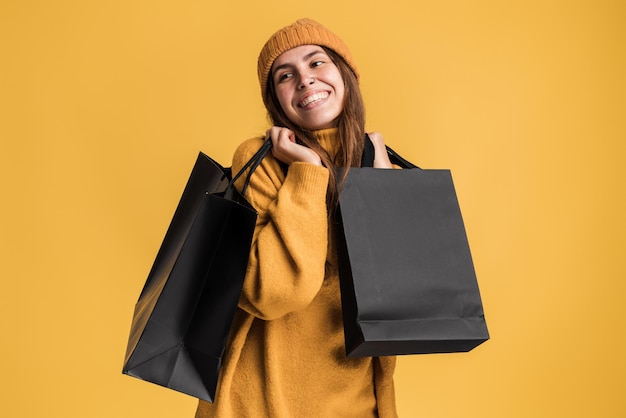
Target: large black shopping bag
<point x="186" y="308"/>
<point x="408" y="284"/>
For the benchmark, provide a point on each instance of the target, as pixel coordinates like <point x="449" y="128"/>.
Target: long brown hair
<point x="351" y="128"/>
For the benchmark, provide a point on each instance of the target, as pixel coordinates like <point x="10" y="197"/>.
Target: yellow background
<point x="105" y="104"/>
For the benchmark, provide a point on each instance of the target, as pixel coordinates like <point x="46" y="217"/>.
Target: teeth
<point x="313" y="98"/>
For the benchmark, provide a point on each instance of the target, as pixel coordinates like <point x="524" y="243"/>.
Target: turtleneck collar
<point x="328" y="139"/>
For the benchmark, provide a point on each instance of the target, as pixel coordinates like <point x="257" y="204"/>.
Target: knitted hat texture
<point x="302" y="32"/>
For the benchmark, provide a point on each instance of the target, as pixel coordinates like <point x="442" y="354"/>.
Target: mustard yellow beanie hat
<point x="302" y="32"/>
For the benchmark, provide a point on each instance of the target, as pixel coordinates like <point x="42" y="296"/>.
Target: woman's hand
<point x="381" y="158"/>
<point x="285" y="148"/>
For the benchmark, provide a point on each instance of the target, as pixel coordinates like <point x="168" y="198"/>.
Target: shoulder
<point x="251" y="145"/>
<point x="266" y="179"/>
<point x="269" y="170"/>
<point x="246" y="149"/>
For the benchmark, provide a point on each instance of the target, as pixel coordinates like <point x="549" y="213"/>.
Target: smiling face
<point x="309" y="87"/>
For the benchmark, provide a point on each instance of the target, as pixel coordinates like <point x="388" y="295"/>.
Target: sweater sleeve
<point x="288" y="252"/>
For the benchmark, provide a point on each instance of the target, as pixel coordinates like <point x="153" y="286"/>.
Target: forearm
<point x="288" y="253"/>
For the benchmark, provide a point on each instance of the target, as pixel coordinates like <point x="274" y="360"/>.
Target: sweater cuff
<point x="306" y="178"/>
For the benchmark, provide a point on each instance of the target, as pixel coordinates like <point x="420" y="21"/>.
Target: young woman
<point x="286" y="354"/>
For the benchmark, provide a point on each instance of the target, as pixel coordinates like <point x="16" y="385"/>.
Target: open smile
<point x="311" y="99"/>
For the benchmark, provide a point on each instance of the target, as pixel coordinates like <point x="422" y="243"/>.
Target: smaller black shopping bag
<point x="407" y="277"/>
<point x="186" y="308"/>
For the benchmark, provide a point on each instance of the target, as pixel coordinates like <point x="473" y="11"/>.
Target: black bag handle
<point x="367" y="159"/>
<point x="254" y="161"/>
<point x="396" y="159"/>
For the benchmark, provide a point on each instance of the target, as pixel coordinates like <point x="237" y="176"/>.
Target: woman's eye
<point x="317" y="63"/>
<point x="284" y="76"/>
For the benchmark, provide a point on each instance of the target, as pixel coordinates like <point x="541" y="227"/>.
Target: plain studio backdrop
<point x="104" y="106"/>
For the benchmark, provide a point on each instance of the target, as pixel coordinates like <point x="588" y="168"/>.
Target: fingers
<point x="281" y="141"/>
<point x="280" y="134"/>
<point x="285" y="148"/>
<point x="377" y="140"/>
<point x="381" y="158"/>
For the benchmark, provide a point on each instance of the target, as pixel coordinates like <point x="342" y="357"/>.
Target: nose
<point x="306" y="80"/>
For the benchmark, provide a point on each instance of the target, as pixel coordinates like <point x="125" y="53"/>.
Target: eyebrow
<point x="305" y="58"/>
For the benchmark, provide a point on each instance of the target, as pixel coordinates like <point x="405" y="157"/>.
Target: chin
<point x="316" y="126"/>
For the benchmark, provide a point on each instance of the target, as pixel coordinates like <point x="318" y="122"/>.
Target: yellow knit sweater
<point x="286" y="355"/>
